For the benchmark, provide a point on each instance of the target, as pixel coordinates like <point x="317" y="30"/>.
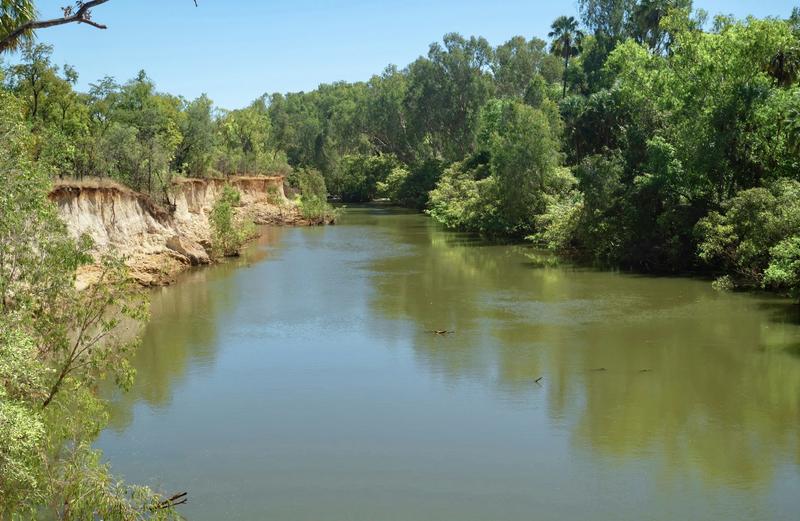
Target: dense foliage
<point x="132" y="133"/>
<point x="229" y="231"/>
<point x="626" y="140"/>
<point x="56" y="345"/>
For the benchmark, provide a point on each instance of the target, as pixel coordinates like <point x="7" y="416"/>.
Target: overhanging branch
<point x="81" y="15"/>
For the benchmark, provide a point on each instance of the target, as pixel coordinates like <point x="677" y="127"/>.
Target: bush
<point x="313" y="196"/>
<point x="502" y="187"/>
<point x="358" y="176"/>
<point x="754" y="239"/>
<point x="783" y="272"/>
<point x="229" y="233"/>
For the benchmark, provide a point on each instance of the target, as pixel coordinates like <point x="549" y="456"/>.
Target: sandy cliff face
<point x="159" y="243"/>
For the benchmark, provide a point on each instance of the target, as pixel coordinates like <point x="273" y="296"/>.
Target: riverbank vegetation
<point x="56" y="345"/>
<point x="229" y="231"/>
<point x="642" y="134"/>
<point x="628" y="137"/>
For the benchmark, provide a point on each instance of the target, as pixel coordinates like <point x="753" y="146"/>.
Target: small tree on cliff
<point x="229" y="233"/>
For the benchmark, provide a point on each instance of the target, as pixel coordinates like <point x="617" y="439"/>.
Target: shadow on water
<point x="664" y="365"/>
<point x="782" y="311"/>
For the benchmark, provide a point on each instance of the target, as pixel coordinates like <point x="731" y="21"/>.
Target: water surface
<point x="302" y="383"/>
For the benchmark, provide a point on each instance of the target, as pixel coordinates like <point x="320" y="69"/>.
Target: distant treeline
<point x="642" y="134"/>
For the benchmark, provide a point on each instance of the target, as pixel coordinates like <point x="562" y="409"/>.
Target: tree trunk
<point x="35" y="107"/>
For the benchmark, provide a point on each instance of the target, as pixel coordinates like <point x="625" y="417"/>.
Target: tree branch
<point x="82" y="15"/>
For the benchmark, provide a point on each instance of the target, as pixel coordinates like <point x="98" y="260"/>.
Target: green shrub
<point x="359" y="176"/>
<point x="229" y="233"/>
<point x="754" y="239"/>
<point x="313" y="201"/>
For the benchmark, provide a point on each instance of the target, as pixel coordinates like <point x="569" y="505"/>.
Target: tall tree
<point x="515" y="64"/>
<point x="446" y="92"/>
<point x="609" y="18"/>
<point x="31" y="74"/>
<point x="195" y="152"/>
<point x="645" y="22"/>
<point x="566" y="42"/>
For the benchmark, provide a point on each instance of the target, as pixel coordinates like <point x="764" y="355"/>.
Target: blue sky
<point x="235" y="50"/>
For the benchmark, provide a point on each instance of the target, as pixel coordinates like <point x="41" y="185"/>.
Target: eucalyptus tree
<point x="609" y="18"/>
<point x="516" y="63"/>
<point x="386" y="121"/>
<point x="446" y="91"/>
<point x="195" y="152"/>
<point x="645" y="22"/>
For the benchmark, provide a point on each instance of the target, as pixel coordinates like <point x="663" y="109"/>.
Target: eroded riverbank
<point x="159" y="243"/>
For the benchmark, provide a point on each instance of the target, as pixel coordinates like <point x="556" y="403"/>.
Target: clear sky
<point x="235" y="50"/>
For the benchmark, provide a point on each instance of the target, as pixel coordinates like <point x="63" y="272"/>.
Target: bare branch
<point x="177" y="499"/>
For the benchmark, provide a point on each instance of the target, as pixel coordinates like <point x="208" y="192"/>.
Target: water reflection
<point x="180" y="337"/>
<point x="301" y="384"/>
<point x="638" y="365"/>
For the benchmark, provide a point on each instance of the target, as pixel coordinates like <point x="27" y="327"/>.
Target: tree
<point x="155" y="118"/>
<point x="785" y="65"/>
<point x="446" y="92"/>
<point x="57" y="344"/>
<point x="13" y="14"/>
<point x="248" y="140"/>
<point x="503" y="186"/>
<point x="645" y="22"/>
<point x="524" y="155"/>
<point x="516" y="63"/>
<point x="609" y="18"/>
<point x="755" y="232"/>
<point x="386" y="121"/>
<point x="313" y="196"/>
<point x="229" y="232"/>
<point x="195" y="152"/>
<point x="358" y="176"/>
<point x="32" y="74"/>
<point x="566" y="42"/>
<point x="783" y="272"/>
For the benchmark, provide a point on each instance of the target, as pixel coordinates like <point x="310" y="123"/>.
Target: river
<point x="302" y="382"/>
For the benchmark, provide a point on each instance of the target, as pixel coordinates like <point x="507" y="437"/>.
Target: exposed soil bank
<point x="159" y="243"/>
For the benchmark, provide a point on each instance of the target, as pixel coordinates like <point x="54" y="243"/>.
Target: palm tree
<point x="566" y="41"/>
<point x="785" y="66"/>
<point x="14" y="13"/>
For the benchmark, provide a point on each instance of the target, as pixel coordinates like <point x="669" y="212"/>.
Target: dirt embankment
<point x="159" y="243"/>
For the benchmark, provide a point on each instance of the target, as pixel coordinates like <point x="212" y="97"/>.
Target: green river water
<point x="301" y="382"/>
